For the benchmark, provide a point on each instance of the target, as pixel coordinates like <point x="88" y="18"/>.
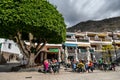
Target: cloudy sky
<point x="75" y="11"/>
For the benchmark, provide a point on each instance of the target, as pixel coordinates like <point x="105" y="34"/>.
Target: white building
<point x="9" y="50"/>
<point x="9" y="46"/>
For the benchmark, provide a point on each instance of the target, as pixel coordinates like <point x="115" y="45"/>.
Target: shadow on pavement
<point x="7" y="67"/>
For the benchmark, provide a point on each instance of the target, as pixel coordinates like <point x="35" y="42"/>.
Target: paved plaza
<point x="63" y="75"/>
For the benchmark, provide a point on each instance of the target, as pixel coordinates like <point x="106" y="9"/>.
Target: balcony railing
<point x="82" y="40"/>
<point x="71" y="51"/>
<point x="102" y="40"/>
<point x="71" y="40"/>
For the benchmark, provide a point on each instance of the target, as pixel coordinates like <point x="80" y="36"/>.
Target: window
<point x="82" y="49"/>
<point x="9" y="45"/>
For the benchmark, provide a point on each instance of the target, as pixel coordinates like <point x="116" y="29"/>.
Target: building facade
<point x="8" y="50"/>
<point x="78" y="45"/>
<point x="91" y="45"/>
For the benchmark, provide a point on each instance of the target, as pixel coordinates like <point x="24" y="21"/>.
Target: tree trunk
<point x="31" y="61"/>
<point x="30" y="51"/>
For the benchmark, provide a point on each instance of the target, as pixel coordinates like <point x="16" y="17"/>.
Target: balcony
<point x="71" y="40"/>
<point x="82" y="40"/>
<point x="71" y="51"/>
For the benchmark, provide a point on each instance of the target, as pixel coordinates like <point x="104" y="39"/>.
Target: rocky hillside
<point x="110" y="24"/>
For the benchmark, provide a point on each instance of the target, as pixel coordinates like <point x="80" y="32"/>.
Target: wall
<point x="9" y="46"/>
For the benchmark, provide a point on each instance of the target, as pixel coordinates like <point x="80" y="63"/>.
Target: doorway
<point x="52" y="56"/>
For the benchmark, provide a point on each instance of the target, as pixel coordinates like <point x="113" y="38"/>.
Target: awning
<point x="53" y="50"/>
<point x="117" y="42"/>
<point x="72" y="45"/>
<point x="83" y="45"/>
<point x="102" y="34"/>
<point x="91" y="34"/>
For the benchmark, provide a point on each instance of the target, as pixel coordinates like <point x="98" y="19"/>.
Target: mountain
<point x="110" y="24"/>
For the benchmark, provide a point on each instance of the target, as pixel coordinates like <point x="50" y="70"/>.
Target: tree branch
<point x="38" y="45"/>
<point x="40" y="48"/>
<point x="21" y="45"/>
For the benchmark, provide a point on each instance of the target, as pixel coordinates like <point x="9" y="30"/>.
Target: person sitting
<point x="46" y="66"/>
<point x="55" y="66"/>
<point x="90" y="66"/>
<point x="80" y="66"/>
<point x="74" y="66"/>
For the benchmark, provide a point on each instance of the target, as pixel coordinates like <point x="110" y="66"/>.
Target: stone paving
<point x="63" y="75"/>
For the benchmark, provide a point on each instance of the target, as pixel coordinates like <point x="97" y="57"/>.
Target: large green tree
<point x="35" y="21"/>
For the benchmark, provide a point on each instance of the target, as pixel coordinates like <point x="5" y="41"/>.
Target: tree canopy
<point x="35" y="21"/>
<point x="38" y="17"/>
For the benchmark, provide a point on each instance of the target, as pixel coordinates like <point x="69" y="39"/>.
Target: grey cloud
<point x="75" y="11"/>
<point x="114" y="5"/>
<point x="109" y="9"/>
